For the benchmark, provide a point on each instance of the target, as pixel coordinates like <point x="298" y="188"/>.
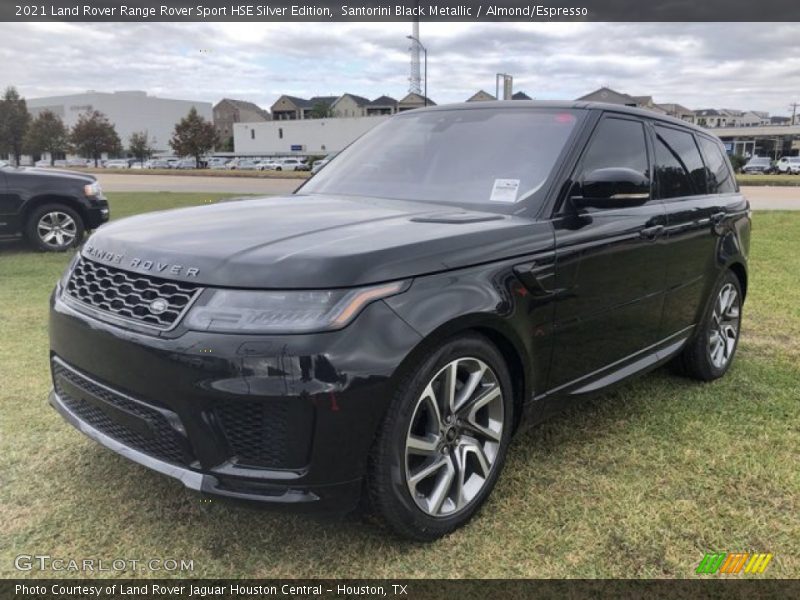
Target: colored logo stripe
<point x="733" y="563"/>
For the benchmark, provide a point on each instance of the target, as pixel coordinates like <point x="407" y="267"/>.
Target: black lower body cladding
<point x="287" y="420"/>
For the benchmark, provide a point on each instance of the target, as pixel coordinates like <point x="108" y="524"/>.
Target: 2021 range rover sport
<point x="383" y="331"/>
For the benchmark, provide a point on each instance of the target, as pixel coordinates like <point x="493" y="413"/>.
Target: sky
<point x="748" y="66"/>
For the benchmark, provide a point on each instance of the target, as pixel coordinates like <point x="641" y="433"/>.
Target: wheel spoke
<point x="428" y="470"/>
<point x="450" y="380"/>
<point x="470" y="445"/>
<point x="443" y="484"/>
<point x="422" y="445"/>
<point x="432" y="403"/>
<point x="466" y="392"/>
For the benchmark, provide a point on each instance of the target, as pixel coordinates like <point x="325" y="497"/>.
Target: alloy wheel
<point x="724" y="327"/>
<point x="57" y="229"/>
<point x="454" y="437"/>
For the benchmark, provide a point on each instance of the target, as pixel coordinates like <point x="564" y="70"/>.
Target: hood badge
<point x="158" y="306"/>
<point x="140" y="264"/>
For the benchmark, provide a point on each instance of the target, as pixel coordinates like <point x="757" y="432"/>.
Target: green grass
<point x="781" y="180"/>
<point x="640" y="482"/>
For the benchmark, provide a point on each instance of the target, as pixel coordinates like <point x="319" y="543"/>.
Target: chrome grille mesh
<point x="129" y="295"/>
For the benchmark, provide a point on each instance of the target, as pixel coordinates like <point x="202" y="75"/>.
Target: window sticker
<point x="505" y="190"/>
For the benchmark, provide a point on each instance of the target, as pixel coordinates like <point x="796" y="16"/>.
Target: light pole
<point x="425" y="53"/>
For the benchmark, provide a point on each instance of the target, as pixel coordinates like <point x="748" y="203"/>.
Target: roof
<point x="566" y="104"/>
<point x="359" y="100"/>
<point x="521" y="96"/>
<point x="383" y="101"/>
<point x="608" y="90"/>
<point x="245" y="105"/>
<point x="674" y="108"/>
<point x="329" y="100"/>
<point x="481" y="94"/>
<point x="413" y="98"/>
<point x="708" y="112"/>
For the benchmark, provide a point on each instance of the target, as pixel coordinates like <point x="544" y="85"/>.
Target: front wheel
<point x="709" y="354"/>
<point x="443" y="442"/>
<point x="54" y="228"/>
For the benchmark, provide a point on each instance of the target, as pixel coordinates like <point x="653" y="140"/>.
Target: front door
<point x="609" y="264"/>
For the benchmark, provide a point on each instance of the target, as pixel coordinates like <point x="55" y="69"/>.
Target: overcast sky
<point x="731" y="65"/>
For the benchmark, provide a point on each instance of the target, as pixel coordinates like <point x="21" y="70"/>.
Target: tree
<point x="14" y="119"/>
<point x="47" y="133"/>
<point x="321" y="110"/>
<point x="139" y="146"/>
<point x="193" y="136"/>
<point x="94" y="134"/>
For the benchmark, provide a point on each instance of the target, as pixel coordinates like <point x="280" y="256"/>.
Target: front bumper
<point x="282" y="420"/>
<point x="97" y="213"/>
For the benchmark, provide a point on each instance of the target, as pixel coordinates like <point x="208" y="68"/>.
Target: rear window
<point x="679" y="168"/>
<point x="720" y="178"/>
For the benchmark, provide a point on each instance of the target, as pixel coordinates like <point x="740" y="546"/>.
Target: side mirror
<point x="612" y="188"/>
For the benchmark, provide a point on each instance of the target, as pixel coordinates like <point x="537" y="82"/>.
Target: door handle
<point x="651" y="233"/>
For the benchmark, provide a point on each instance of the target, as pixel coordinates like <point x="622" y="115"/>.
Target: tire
<point x="710" y="352"/>
<point x="278" y="169"/>
<point x="412" y="441"/>
<point x="54" y="228"/>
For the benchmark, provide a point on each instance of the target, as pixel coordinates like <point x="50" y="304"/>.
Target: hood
<point x="57" y="173"/>
<point x="311" y="241"/>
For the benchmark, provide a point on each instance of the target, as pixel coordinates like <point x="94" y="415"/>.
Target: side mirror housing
<point x="612" y="188"/>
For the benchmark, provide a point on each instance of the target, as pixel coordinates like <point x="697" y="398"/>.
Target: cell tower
<point x="415" y="79"/>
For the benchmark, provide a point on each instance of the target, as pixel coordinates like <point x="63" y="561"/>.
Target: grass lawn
<point x="777" y="179"/>
<point x="640" y="482"/>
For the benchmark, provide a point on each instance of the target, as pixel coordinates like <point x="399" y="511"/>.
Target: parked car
<point x="318" y="164"/>
<point x="41" y="164"/>
<point x="156" y="163"/>
<point x="455" y="274"/>
<point x="51" y="209"/>
<point x="185" y="163"/>
<point x="78" y="162"/>
<point x="284" y="164"/>
<point x="216" y="163"/>
<point x="117" y="163"/>
<point x="61" y="164"/>
<point x="172" y="162"/>
<point x="789" y="165"/>
<point x="758" y="165"/>
<point x="243" y="164"/>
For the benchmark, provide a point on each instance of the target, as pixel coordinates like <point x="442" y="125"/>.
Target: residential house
<point x="481" y="96"/>
<point x="521" y="96"/>
<point x="228" y="111"/>
<point x="292" y="108"/>
<point x="383" y="105"/>
<point x="350" y="105"/>
<point x="412" y="101"/>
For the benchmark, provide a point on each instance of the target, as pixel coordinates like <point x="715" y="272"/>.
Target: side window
<point x="720" y="179"/>
<point x="679" y="168"/>
<point x="617" y="143"/>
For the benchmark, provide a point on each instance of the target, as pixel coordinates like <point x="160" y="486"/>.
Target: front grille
<point x="164" y="443"/>
<point x="129" y="295"/>
<point x="257" y="432"/>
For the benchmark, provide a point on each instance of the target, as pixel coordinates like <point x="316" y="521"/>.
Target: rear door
<point x="699" y="194"/>
<point x="609" y="264"/>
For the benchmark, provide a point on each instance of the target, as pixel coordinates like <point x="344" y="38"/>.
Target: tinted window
<point x="476" y="156"/>
<point x="617" y="143"/>
<point x="720" y="180"/>
<point x="679" y="169"/>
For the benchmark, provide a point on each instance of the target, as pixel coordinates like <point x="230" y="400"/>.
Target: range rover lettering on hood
<point x="140" y="264"/>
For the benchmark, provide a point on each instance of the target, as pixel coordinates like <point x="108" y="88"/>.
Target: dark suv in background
<point x="51" y="208"/>
<point x="456" y="272"/>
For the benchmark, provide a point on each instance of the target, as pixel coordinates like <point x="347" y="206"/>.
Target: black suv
<point x="51" y="208"/>
<point x="383" y="331"/>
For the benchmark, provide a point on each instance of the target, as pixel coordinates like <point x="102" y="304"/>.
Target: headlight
<point x="93" y="189"/>
<point x="299" y="311"/>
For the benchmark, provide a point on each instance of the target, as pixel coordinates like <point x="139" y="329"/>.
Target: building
<point x="481" y="96"/>
<point x="129" y="111"/>
<point x="305" y="137"/>
<point x="521" y="96"/>
<point x="228" y="111"/>
<point x="383" y="105"/>
<point x="292" y="108"/>
<point x="412" y="101"/>
<point x="761" y="140"/>
<point x="350" y="105"/>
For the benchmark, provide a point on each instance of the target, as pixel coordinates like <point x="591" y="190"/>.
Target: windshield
<point x="496" y="157"/>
